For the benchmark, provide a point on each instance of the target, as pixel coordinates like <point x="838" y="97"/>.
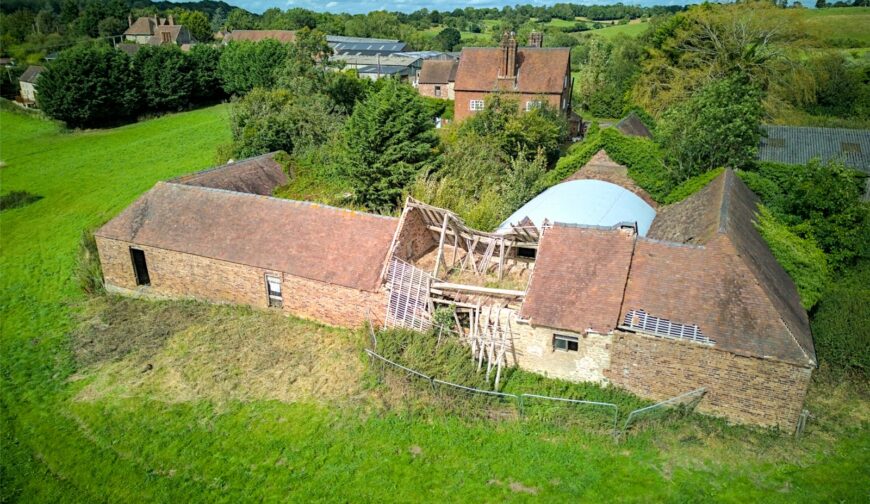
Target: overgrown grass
<point x="202" y="425"/>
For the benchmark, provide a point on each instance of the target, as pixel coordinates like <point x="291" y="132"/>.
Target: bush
<point x="801" y="258"/>
<point x="89" y="272"/>
<point x="89" y="85"/>
<point x="164" y="77"/>
<point x="246" y="65"/>
<point x="691" y="186"/>
<point x="841" y="322"/>
<point x="205" y="73"/>
<point x="268" y="120"/>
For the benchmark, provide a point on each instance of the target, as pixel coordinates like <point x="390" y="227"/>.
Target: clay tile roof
<point x="438" y="71"/>
<point x="631" y="125"/>
<point x="142" y="26"/>
<point x="257" y="175"/>
<point x="579" y="278"/>
<point x="735" y="291"/>
<point x="31" y="74"/>
<point x="317" y="242"/>
<point x="601" y="167"/>
<point x="538" y="70"/>
<point x="285" y="36"/>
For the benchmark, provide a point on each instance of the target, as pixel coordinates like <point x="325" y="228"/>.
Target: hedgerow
<point x="841" y="323"/>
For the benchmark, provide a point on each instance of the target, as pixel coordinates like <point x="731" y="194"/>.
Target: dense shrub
<point x="691" y="186"/>
<point x="841" y="322"/>
<point x="89" y="85"/>
<point x="642" y="157"/>
<point x="164" y="77"/>
<point x="268" y="120"/>
<point x="801" y="258"/>
<point x="205" y="73"/>
<point x="245" y="65"/>
<point x="718" y="126"/>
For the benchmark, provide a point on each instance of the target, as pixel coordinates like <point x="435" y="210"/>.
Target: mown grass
<point x="99" y="429"/>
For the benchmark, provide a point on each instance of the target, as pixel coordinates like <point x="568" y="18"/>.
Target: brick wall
<point x="179" y="275"/>
<point x="462" y="106"/>
<point x="742" y="389"/>
<point x="415" y="238"/>
<point x="429" y="90"/>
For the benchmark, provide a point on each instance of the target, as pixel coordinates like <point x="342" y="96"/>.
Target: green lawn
<point x="839" y="23"/>
<point x="630" y="30"/>
<point x="220" y="426"/>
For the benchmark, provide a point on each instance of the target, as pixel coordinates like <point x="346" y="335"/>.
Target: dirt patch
<point x="185" y="351"/>
<point x="514" y="486"/>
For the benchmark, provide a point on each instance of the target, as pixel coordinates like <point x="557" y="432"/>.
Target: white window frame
<point x="276" y="297"/>
<point x="475" y="105"/>
<point x="533" y="104"/>
<point x="437" y="91"/>
<point x="567" y="339"/>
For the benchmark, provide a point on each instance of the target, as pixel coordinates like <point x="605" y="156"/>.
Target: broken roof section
<point x="306" y="240"/>
<point x="257" y="175"/>
<point x="579" y="278"/>
<point x="585" y="202"/>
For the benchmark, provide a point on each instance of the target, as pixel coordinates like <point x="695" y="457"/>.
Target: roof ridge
<point x="725" y="203"/>
<point x="273" y="198"/>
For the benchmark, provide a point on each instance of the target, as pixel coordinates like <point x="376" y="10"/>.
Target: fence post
<point x="520" y="404"/>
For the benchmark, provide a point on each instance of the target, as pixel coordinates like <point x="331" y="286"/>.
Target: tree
<point x="240" y="19"/>
<point x="218" y="20"/>
<point x="205" y="72"/>
<point x="448" y="38"/>
<point x="389" y="140"/>
<point x="245" y="65"/>
<point x="718" y="126"/>
<point x="269" y="120"/>
<point x="164" y="76"/>
<point x="198" y="25"/>
<point x="89" y="85"/>
<point x="821" y="4"/>
<point x="111" y="26"/>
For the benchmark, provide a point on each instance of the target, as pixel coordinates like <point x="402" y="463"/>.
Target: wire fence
<point x="492" y="405"/>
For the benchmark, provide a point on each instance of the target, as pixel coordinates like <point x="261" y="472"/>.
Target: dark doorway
<point x="140" y="267"/>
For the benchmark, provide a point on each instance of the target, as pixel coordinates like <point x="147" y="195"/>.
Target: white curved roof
<point x="586" y="202"/>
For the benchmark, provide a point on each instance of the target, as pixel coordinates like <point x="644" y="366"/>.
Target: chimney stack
<point x="509" y="56"/>
<point x="171" y="20"/>
<point x="536" y="39"/>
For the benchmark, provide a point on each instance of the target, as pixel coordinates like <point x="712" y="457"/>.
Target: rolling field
<point x="244" y="405"/>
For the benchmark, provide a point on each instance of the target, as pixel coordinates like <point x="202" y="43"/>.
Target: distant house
<point x="286" y="36"/>
<point x="153" y="30"/>
<point x="531" y="74"/>
<point x="437" y="79"/>
<point x="7" y="62"/>
<point x="27" y="83"/>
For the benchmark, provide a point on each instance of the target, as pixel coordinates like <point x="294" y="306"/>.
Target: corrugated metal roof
<point x="586" y="202"/>
<point x="798" y="145"/>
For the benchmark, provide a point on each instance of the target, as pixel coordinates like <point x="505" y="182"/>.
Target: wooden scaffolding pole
<point x="441" y="245"/>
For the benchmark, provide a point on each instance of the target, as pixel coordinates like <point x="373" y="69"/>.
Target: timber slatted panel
<point x="408" y="302"/>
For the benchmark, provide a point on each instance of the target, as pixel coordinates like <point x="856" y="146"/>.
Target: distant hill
<point x="206" y="6"/>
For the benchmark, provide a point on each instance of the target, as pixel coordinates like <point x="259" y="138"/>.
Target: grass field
<point x="839" y="23"/>
<point x="629" y="30"/>
<point x="247" y="406"/>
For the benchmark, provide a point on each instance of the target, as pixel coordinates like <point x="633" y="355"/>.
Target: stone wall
<point x="429" y="90"/>
<point x="741" y="389"/>
<point x="533" y="350"/>
<point x="179" y="275"/>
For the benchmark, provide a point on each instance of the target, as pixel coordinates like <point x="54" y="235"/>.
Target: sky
<point x="361" y="6"/>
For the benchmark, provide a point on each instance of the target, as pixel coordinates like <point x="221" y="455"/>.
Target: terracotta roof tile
<point x="438" y="71"/>
<point x="538" y="70"/>
<point x="317" y="242"/>
<point x="258" y="175"/>
<point x="142" y="26"/>
<point x="579" y="278"/>
<point x="285" y="36"/>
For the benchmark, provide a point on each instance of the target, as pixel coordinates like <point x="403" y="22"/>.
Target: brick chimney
<point x="508" y="46"/>
<point x="536" y="39"/>
<point x="171" y="20"/>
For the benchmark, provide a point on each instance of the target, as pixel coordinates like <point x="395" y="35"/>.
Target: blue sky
<point x="358" y="6"/>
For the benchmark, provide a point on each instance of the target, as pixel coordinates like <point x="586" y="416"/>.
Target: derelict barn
<point x="590" y="281"/>
<point x="215" y="236"/>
